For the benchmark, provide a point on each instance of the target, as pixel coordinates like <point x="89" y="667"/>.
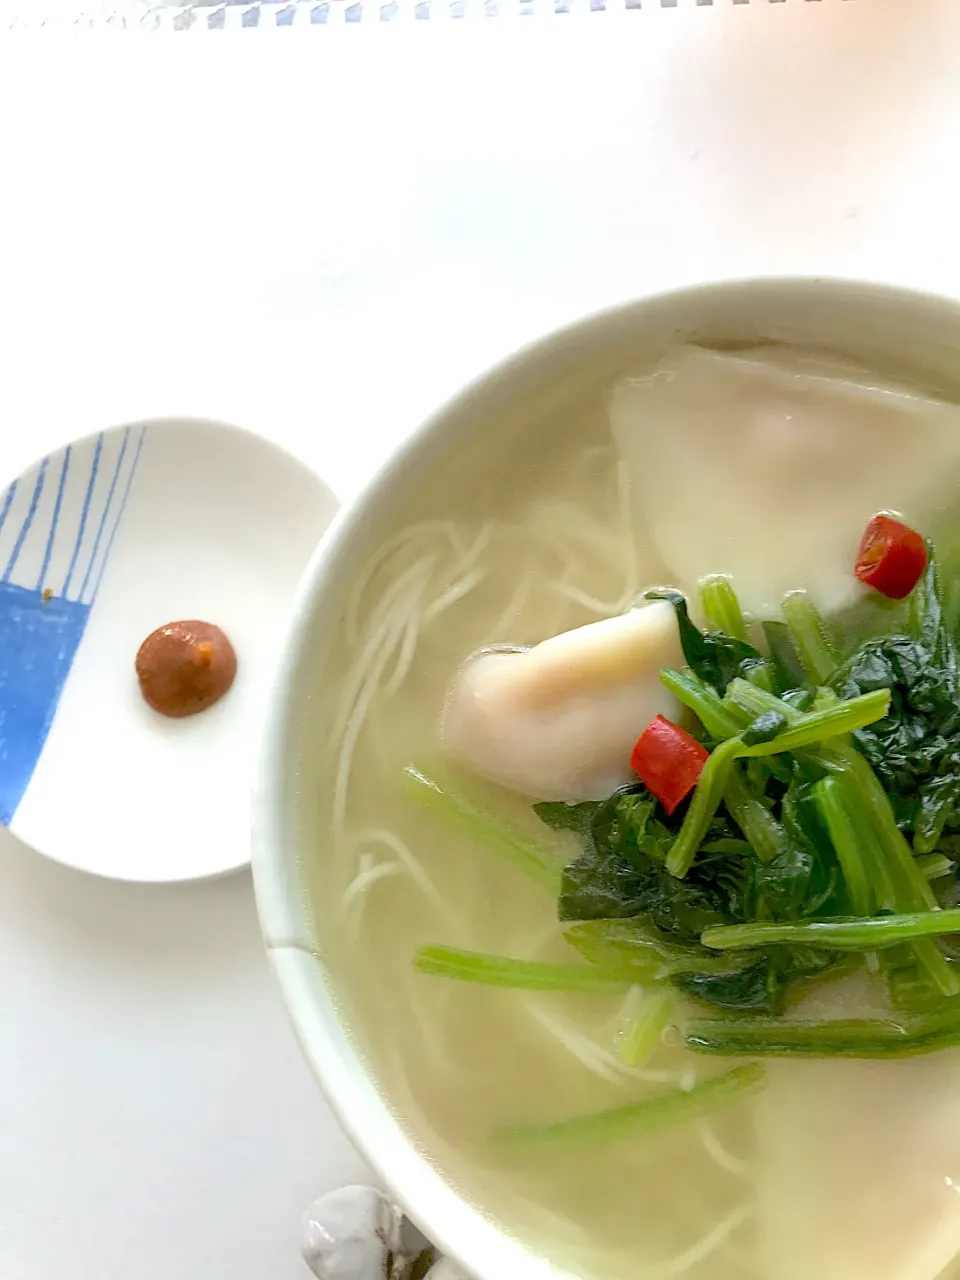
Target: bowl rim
<point x="458" y="1228"/>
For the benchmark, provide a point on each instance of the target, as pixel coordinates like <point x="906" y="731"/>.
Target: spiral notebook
<point x="218" y="15"/>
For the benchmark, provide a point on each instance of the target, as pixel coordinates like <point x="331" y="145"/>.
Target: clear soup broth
<point x="531" y="526"/>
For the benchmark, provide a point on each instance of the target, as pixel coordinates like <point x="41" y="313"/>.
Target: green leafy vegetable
<point x="704" y="701"/>
<point x="790" y="671"/>
<point x="824" y="830"/>
<point x="531" y="975"/>
<point x="765" y="728"/>
<point x="842" y="933"/>
<point x="642" y="916"/>
<point x="713" y="656"/>
<point x="568" y="817"/>
<point x="798" y="699"/>
<point x="645" y="1020"/>
<point x="900" y="884"/>
<point x="463" y="814"/>
<point x="935" y="865"/>
<point x="637" y="946"/>
<point x="721" y="608"/>
<point x="843" y="1038"/>
<point x="804" y="732"/>
<point x="809" y="635"/>
<point x="765" y="835"/>
<point x="753" y="989"/>
<point x="853" y="847"/>
<point x="762" y="674"/>
<point x="611" y="879"/>
<point x="636" y="1119"/>
<point x="915" y="749"/>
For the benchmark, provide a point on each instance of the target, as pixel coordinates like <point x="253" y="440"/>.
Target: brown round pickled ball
<point x="185" y="667"/>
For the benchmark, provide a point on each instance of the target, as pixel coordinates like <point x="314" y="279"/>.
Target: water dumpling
<point x="558" y="721"/>
<point x="772" y="463"/>
<point x="859" y="1160"/>
<point x="860" y="1169"/>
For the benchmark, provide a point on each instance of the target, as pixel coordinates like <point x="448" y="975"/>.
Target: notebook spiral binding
<point x="213" y="15"/>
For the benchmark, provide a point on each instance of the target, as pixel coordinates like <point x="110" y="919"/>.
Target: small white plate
<point x="101" y="543"/>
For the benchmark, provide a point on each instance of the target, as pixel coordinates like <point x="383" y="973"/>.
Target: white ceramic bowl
<point x="896" y="331"/>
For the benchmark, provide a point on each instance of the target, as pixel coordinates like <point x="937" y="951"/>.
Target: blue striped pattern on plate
<point x="57" y="527"/>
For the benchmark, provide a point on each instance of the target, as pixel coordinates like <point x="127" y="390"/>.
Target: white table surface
<point x="321" y="237"/>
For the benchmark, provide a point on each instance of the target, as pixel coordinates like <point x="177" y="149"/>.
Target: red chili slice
<point x="668" y="761"/>
<point x="892" y="557"/>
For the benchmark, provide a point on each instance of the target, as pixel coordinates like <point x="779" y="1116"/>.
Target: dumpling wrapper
<point x="559" y="721"/>
<point x="766" y="464"/>
<point x="859" y="1164"/>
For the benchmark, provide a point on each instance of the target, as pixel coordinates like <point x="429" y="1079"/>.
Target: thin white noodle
<point x="570" y="557"/>
<point x="719" y="1153"/>
<point x="429" y="1022"/>
<point x="456" y="542"/>
<point x="410" y="636"/>
<point x="358" y="887"/>
<point x="708" y="1244"/>
<point x="392" y="634"/>
<point x="605" y="608"/>
<point x="440" y="1149"/>
<point x="349" y="742"/>
<point x="582" y="1048"/>
<point x="562" y="521"/>
<point x="629" y="546"/>
<point x="408" y="649"/>
<point x="650" y="1075"/>
<point x="403" y="854"/>
<point x="477" y="547"/>
<point x="593" y="1056"/>
<point x="462" y="587"/>
<point x="379" y="653"/>
<point x="382" y="636"/>
<point x="396" y="597"/>
<point x="364" y="864"/>
<point x="546" y="935"/>
<point x="561" y="619"/>
<point x="514" y="606"/>
<point x="362" y="686"/>
<point x="358" y="671"/>
<point x="559" y="1226"/>
<point x="431" y="1039"/>
<point x="572" y="567"/>
<point x="376" y="561"/>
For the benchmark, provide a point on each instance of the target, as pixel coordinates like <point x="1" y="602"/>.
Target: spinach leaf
<point x="767" y="854"/>
<point x="799" y="699"/>
<point x="786" y="662"/>
<point x="604" y="885"/>
<point x="620" y="877"/>
<point x="756" y="989"/>
<point x="621" y="871"/>
<point x="810" y="881"/>
<point x="926" y="614"/>
<point x="937" y="804"/>
<point x="915" y="749"/>
<point x="715" y="657"/>
<point x="625" y="824"/>
<point x="568" y="817"/>
<point x="638" y="945"/>
<point x="765" y="728"/>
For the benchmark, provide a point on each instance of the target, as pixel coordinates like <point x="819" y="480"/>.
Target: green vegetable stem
<point x="464" y="815"/>
<point x="637" y="1119"/>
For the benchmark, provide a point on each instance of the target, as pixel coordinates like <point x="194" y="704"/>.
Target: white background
<point x="320" y="235"/>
